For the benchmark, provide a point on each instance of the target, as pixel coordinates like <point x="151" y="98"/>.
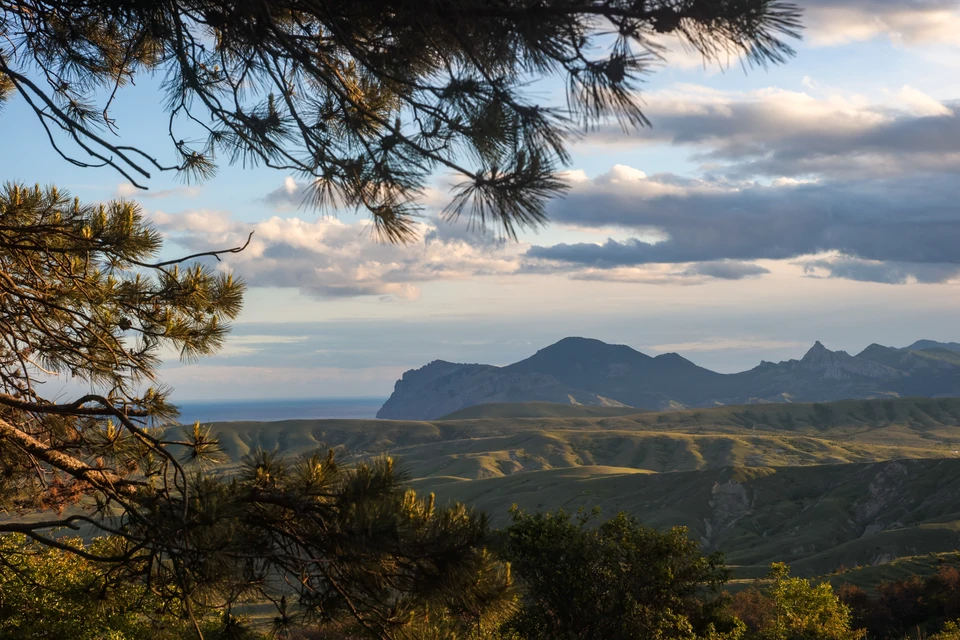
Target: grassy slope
<point x="537" y="410"/>
<point x="794" y="482"/>
<point x="756" y="436"/>
<point x="818" y="518"/>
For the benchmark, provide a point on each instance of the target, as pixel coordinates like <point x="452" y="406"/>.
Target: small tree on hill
<point x="794" y="609"/>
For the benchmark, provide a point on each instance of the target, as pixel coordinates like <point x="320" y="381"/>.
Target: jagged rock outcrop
<point x="839" y="365"/>
<point x="591" y="372"/>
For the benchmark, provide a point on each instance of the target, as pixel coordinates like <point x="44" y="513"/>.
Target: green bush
<point x="51" y="594"/>
<point x="616" y="581"/>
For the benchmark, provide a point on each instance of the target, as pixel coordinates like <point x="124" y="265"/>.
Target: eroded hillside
<point x="819" y="485"/>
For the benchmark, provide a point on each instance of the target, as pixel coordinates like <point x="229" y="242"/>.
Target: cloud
<point x="780" y="133"/>
<point x="288" y="196"/>
<point x="247" y="345"/>
<point x="608" y="255"/>
<point x="127" y="190"/>
<point x="906" y="220"/>
<point x="660" y="274"/>
<point x="783" y="175"/>
<point x="878" y="271"/>
<point x="327" y="258"/>
<point x="686" y="231"/>
<point x="656" y="274"/>
<point x="922" y="104"/>
<point x="196" y="222"/>
<point x="617" y="261"/>
<point x="726" y="270"/>
<point x="905" y="22"/>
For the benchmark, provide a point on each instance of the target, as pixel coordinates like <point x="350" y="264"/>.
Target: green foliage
<point x="619" y="580"/>
<point x="366" y="100"/>
<point x="369" y="557"/>
<point x="52" y="594"/>
<point x="90" y="304"/>
<point x="913" y="603"/>
<point x="795" y="609"/>
<point x="81" y="293"/>
<point x="79" y="270"/>
<point x="354" y="545"/>
<point x="950" y="631"/>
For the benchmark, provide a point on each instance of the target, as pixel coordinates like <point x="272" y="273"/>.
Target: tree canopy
<point x="619" y="580"/>
<point x="366" y="100"/>
<point x="82" y="295"/>
<point x="49" y="594"/>
<point x="791" y="608"/>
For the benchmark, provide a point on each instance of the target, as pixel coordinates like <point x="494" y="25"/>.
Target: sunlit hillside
<point x="819" y="485"/>
<point x="753" y="436"/>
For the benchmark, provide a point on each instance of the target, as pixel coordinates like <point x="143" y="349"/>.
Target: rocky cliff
<point x="591" y="372"/>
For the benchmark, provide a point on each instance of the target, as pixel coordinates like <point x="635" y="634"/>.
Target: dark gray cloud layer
<point x="914" y="222"/>
<point x="788" y="134"/>
<point x="726" y="270"/>
<point x="885" y="272"/>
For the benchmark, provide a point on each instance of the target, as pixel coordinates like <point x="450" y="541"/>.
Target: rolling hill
<point x="817" y="518"/>
<point x="536" y="410"/>
<point x="754" y="436"/>
<point x="822" y="485"/>
<point x="580" y="371"/>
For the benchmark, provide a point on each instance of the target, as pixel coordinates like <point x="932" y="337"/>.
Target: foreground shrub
<point x="619" y="580"/>
<point x="49" y="593"/>
<point x="794" y="609"/>
<point x="909" y="607"/>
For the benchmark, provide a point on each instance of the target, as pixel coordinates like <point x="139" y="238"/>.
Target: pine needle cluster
<point x="367" y="100"/>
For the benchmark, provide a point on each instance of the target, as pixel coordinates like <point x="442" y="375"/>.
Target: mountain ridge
<point x="587" y="371"/>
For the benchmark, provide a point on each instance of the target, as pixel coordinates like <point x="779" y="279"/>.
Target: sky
<point x="762" y="210"/>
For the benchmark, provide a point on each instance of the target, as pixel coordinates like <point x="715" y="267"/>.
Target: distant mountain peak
<point x="878" y="353"/>
<point x="586" y="371"/>
<point x="577" y="340"/>
<point x="671" y="356"/>
<point x="584" y="345"/>
<point x="840" y="365"/>
<point x="577" y="352"/>
<point x="932" y="344"/>
<point x="816" y="352"/>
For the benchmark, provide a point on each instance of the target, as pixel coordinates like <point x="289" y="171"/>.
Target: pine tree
<point x="366" y="100"/>
<point x="82" y="294"/>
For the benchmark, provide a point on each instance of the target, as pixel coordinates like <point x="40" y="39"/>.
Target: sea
<point x="278" y="409"/>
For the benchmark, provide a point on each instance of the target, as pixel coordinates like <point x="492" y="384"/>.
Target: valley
<point x="822" y="486"/>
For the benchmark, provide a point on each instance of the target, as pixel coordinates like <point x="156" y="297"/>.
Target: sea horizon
<point x="276" y="409"/>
